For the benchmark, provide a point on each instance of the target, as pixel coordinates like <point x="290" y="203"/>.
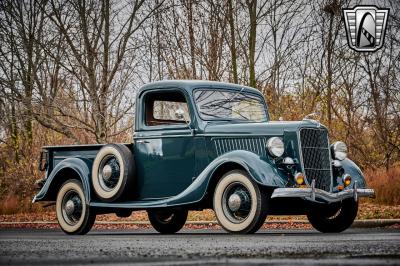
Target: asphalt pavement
<point x="200" y="247"/>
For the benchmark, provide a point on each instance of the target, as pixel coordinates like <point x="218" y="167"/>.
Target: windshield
<point x="230" y="105"/>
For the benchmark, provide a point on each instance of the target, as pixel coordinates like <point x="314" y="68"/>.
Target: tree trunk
<point x="191" y="37"/>
<point x="252" y="6"/>
<point x="233" y="42"/>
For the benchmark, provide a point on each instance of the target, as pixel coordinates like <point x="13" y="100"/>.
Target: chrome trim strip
<point x="162" y="136"/>
<point x="309" y="193"/>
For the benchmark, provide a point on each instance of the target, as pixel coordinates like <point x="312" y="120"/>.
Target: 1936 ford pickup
<point x="199" y="145"/>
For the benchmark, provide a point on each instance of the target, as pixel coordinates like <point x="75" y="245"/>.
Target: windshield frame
<point x="243" y="90"/>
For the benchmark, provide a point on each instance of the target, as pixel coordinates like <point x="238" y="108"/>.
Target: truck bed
<point x="56" y="154"/>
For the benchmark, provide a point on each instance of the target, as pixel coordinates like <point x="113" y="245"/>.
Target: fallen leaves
<point x="47" y="220"/>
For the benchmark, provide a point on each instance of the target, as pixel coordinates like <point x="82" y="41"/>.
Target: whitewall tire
<point x="73" y="213"/>
<point x="113" y="172"/>
<point x="240" y="204"/>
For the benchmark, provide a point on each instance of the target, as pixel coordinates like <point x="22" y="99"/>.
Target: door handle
<point x="143" y="141"/>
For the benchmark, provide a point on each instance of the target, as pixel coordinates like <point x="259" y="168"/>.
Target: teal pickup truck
<point x="205" y="145"/>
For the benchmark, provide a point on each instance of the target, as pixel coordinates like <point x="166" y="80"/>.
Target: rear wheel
<point x="335" y="218"/>
<point x="73" y="213"/>
<point x="240" y="205"/>
<point x="167" y="221"/>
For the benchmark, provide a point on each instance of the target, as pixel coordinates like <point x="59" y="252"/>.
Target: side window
<point x="166" y="108"/>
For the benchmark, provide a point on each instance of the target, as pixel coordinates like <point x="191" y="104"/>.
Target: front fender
<point x="355" y="172"/>
<point x="78" y="165"/>
<point x="259" y="170"/>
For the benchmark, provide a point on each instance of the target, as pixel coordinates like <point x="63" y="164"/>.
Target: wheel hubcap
<point x="236" y="202"/>
<point x="109" y="173"/>
<point x="69" y="207"/>
<point x="165" y="217"/>
<point x="72" y="207"/>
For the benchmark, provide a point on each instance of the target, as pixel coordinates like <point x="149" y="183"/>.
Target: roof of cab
<point x="193" y="84"/>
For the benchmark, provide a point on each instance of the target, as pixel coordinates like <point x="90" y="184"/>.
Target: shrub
<point x="386" y="184"/>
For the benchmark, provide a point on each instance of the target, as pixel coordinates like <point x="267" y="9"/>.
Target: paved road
<point x="200" y="247"/>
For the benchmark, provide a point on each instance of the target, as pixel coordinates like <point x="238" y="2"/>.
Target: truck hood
<point x="267" y="128"/>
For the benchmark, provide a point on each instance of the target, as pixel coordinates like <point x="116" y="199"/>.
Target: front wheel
<point x="167" y="221"/>
<point x="73" y="213"/>
<point x="335" y="218"/>
<point x="240" y="204"/>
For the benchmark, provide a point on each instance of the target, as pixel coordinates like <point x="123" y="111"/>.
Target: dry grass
<point x="386" y="185"/>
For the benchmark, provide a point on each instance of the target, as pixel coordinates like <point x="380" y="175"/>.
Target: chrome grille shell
<point x="316" y="157"/>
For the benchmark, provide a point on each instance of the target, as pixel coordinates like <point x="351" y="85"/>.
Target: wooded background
<point x="70" y="69"/>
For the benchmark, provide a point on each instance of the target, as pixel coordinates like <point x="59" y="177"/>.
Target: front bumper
<point x="315" y="194"/>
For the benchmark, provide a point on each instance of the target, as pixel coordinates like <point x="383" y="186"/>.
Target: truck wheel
<point x="112" y="172"/>
<point x="335" y="219"/>
<point x="168" y="221"/>
<point x="240" y="205"/>
<point x="73" y="213"/>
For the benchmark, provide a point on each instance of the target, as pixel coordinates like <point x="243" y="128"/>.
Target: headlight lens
<point x="339" y="150"/>
<point x="275" y="146"/>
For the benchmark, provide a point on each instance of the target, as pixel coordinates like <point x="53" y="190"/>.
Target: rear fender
<point x="60" y="174"/>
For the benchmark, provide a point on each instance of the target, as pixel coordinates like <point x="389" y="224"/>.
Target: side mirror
<point x="180" y="114"/>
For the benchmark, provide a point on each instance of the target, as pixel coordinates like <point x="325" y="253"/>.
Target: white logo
<point x="365" y="27"/>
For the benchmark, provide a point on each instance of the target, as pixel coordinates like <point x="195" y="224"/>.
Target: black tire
<point x="232" y="196"/>
<point x="113" y="172"/>
<point x="167" y="221"/>
<point x="73" y="212"/>
<point x="334" y="219"/>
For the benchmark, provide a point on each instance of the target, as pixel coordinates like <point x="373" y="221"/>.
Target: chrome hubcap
<point x="107" y="172"/>
<point x="165" y="216"/>
<point x="72" y="207"/>
<point x="234" y="202"/>
<point x="69" y="207"/>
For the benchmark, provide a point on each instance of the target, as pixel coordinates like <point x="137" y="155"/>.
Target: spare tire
<point x="113" y="172"/>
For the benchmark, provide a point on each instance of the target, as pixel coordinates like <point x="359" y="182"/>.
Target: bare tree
<point x="104" y="30"/>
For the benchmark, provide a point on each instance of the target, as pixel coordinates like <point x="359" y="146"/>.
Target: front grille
<point x="316" y="158"/>
<point x="253" y="144"/>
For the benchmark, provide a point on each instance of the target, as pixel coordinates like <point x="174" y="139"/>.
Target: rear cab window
<point x="166" y="108"/>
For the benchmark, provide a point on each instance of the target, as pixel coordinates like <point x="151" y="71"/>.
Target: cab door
<point x="164" y="145"/>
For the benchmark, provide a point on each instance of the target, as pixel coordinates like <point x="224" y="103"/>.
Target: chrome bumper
<point x="315" y="194"/>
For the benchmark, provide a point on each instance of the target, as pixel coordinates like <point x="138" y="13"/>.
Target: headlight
<point x="339" y="150"/>
<point x="275" y="146"/>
